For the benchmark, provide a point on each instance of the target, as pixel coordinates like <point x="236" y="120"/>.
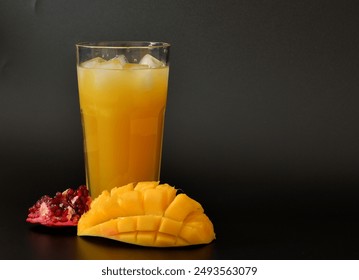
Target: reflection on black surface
<point x="52" y="243"/>
<point x="63" y="243"/>
<point x="101" y="248"/>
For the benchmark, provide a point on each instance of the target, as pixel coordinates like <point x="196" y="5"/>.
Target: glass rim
<point x="122" y="45"/>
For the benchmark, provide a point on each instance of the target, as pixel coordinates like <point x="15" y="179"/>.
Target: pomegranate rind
<point x="51" y="224"/>
<point x="62" y="210"/>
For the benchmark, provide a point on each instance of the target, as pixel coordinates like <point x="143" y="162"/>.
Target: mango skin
<point x="147" y="214"/>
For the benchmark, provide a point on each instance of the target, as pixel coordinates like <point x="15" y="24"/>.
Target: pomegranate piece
<point x="64" y="209"/>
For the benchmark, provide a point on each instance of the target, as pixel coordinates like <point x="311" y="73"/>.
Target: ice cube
<point x="151" y="61"/>
<point x="121" y="58"/>
<point x="92" y="63"/>
<point x="114" y="63"/>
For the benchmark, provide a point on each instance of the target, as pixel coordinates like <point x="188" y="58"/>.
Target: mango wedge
<point x="147" y="214"/>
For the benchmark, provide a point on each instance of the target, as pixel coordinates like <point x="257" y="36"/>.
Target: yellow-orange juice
<point x="122" y="108"/>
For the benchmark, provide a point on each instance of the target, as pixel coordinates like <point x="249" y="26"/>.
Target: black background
<point x="261" y="122"/>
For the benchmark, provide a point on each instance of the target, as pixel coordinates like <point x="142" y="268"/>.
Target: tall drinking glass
<point x="122" y="92"/>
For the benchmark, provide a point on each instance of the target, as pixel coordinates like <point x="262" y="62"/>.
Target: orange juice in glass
<point x="122" y="92"/>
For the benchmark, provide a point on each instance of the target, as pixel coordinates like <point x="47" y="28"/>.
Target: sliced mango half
<point x="147" y="214"/>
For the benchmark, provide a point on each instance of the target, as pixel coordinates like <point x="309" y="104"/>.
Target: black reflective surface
<point x="248" y="226"/>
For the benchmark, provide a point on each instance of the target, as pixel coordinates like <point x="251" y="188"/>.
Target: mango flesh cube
<point x="169" y="191"/>
<point x="126" y="224"/>
<point x="170" y="226"/>
<point x="155" y="202"/>
<point x="146" y="237"/>
<point x="128" y="237"/>
<point x="121" y="190"/>
<point x="134" y="200"/>
<point x="141" y="186"/>
<point x="187" y="206"/>
<point x="148" y="223"/>
<point x="165" y="240"/>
